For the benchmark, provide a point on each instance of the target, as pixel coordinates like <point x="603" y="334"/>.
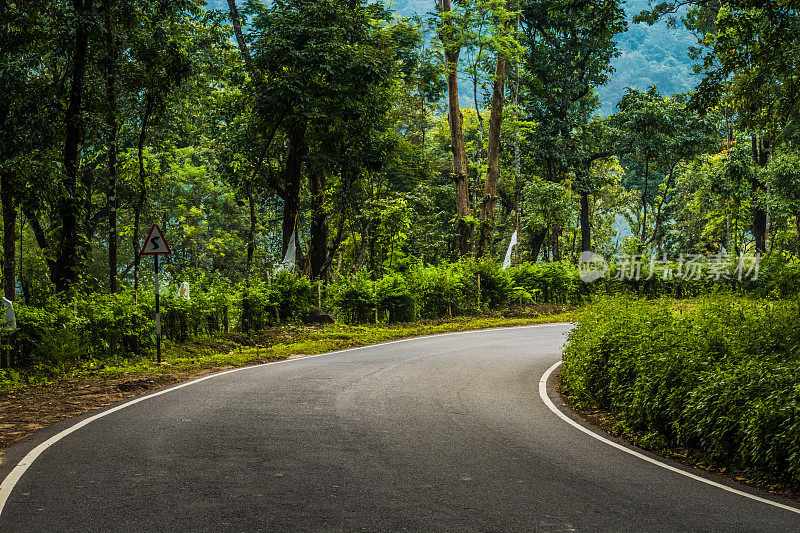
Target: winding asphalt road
<point x="437" y="433"/>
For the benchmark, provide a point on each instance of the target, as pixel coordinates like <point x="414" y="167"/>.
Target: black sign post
<point x="156" y="245"/>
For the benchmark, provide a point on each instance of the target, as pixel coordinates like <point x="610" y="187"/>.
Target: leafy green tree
<point x="162" y="65"/>
<point x="329" y="68"/>
<point x="713" y="203"/>
<point x="749" y="48"/>
<point x="569" y="49"/>
<point x="505" y="47"/>
<point x="24" y="92"/>
<point x="756" y="47"/>
<point x="658" y="134"/>
<point x="782" y="178"/>
<point x="546" y="204"/>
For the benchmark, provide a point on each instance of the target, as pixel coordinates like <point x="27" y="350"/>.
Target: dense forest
<point x="338" y="134"/>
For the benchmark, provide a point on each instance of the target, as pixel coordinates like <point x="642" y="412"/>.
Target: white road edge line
<point x="568" y="420"/>
<point x="21" y="467"/>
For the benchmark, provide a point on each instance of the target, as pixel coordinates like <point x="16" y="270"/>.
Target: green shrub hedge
<point x="722" y="376"/>
<point x="96" y="324"/>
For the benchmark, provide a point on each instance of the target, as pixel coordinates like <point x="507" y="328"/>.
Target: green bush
<point x="721" y="376"/>
<point x="95" y="325"/>
<point x="260" y="306"/>
<point x="394" y="299"/>
<point x="295" y="295"/>
<point x="34" y="338"/>
<point x="550" y="282"/>
<point x="440" y="291"/>
<point x="495" y="284"/>
<point x="779" y="277"/>
<point x="90" y="326"/>
<point x="354" y="300"/>
<point x="111" y="323"/>
<point x="206" y="312"/>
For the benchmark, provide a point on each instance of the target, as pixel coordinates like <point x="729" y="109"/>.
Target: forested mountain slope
<point x="649" y="55"/>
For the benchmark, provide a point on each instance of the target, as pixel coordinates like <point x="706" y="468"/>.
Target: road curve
<point x="437" y="433"/>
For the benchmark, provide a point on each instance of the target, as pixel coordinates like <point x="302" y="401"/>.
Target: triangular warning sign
<point x="155" y="244"/>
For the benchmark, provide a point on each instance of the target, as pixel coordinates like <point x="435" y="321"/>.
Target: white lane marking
<point x="21" y="467"/>
<point x="568" y="420"/>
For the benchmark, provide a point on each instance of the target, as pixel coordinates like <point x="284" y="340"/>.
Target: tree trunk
<point x="9" y="221"/>
<point x="137" y="210"/>
<point x="517" y="158"/>
<point x="657" y="215"/>
<point x="537" y="242"/>
<point x="68" y="252"/>
<point x="586" y="228"/>
<point x="363" y="249"/>
<point x="292" y="182"/>
<point x="555" y="245"/>
<point x="318" y="249"/>
<point x="251" y="235"/>
<point x="456" y="122"/>
<point x="479" y="148"/>
<point x="113" y="133"/>
<point x="247" y="310"/>
<point x="761" y="151"/>
<point x="9" y="235"/>
<point x="236" y="21"/>
<point x="41" y="238"/>
<point x="373" y="262"/>
<point x="333" y="248"/>
<point x="644" y="200"/>
<point x="493" y="158"/>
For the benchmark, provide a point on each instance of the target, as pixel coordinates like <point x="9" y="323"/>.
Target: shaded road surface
<point x="440" y="433"/>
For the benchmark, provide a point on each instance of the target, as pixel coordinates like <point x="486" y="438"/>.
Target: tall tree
<point x="249" y="185"/>
<point x="756" y="45"/>
<point x="570" y="46"/>
<point x="351" y="52"/>
<point x="748" y="50"/>
<point x="69" y="253"/>
<point x="112" y="43"/>
<point x="657" y="134"/>
<point x="452" y="41"/>
<point x="504" y="44"/>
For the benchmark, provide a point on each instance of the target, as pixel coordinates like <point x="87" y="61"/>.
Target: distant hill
<point x="649" y="55"/>
<point x="409" y="7"/>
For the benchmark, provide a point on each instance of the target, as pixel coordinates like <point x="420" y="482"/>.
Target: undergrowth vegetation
<point x="97" y="326"/>
<point x="720" y="375"/>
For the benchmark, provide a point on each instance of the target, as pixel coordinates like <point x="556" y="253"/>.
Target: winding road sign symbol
<point x="155" y="244"/>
